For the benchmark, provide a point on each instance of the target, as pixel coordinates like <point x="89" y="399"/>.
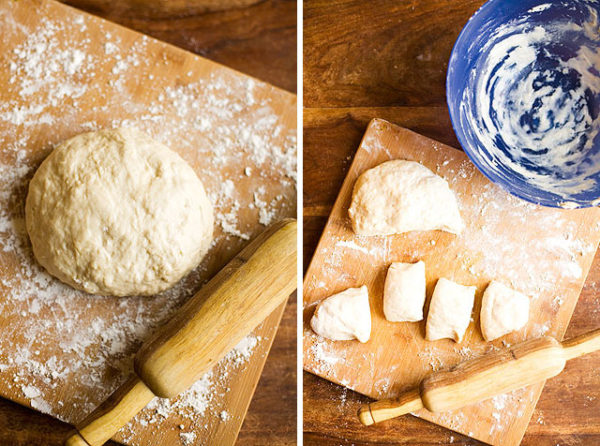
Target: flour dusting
<point x="57" y="82"/>
<point x="538" y="251"/>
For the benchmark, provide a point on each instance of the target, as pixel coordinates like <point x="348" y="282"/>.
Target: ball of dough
<point x="114" y="212"/>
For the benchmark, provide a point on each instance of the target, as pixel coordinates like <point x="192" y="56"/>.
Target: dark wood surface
<point x="259" y="40"/>
<point x="388" y="59"/>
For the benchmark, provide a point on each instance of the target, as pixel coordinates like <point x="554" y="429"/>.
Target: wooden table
<point x="259" y="40"/>
<point x="388" y="59"/>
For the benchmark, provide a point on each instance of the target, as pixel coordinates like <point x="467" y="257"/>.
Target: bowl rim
<point x="460" y="136"/>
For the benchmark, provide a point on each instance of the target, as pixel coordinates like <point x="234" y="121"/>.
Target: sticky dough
<point x="503" y="310"/>
<point x="450" y="310"/>
<point x="401" y="196"/>
<point x="344" y="316"/>
<point x="404" y="292"/>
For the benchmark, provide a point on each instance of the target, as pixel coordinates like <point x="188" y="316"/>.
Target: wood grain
<point x="381" y="53"/>
<point x="259" y="40"/>
<point x="484" y="377"/>
<point x="397" y="357"/>
<point x="53" y="432"/>
<point x="154" y="9"/>
<point x="343" y="92"/>
<point x="567" y="412"/>
<point x="271" y="418"/>
<point x="114" y="413"/>
<point x="332" y="135"/>
<point x="551" y="423"/>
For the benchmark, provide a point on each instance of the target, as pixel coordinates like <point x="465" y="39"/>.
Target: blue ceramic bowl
<point x="523" y="89"/>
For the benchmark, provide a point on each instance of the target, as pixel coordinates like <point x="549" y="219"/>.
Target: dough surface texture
<point x="344" y="316"/>
<point x="401" y="196"/>
<point x="503" y="310"/>
<point x="114" y="212"/>
<point x="404" y="292"/>
<point x="450" y="310"/>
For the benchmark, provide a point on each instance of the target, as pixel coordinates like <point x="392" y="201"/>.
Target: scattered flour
<point x="188" y="438"/>
<point x="546" y="267"/>
<point x="324" y="354"/>
<point x="57" y="82"/>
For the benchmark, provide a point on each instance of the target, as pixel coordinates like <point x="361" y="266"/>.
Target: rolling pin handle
<point x="379" y="411"/>
<point x="365" y="416"/>
<point x="76" y="440"/>
<point x="582" y="345"/>
<point x="98" y="427"/>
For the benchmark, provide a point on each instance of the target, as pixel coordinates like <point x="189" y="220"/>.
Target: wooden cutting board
<point x="545" y="253"/>
<point x="64" y="72"/>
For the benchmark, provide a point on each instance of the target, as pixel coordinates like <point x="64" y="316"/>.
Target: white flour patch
<point x="188" y="438"/>
<point x="243" y="350"/>
<point x="325" y="355"/>
<point x="373" y="249"/>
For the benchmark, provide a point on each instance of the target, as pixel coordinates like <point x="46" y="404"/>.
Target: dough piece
<point x="344" y="316"/>
<point x="450" y="310"/>
<point x="114" y="212"/>
<point x="404" y="292"/>
<point x="502" y="310"/>
<point x="401" y="196"/>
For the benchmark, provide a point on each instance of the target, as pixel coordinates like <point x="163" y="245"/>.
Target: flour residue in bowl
<point x="532" y="99"/>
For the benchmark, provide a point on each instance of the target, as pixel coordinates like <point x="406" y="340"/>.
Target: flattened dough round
<point x="114" y="212"/>
<point x="401" y="196"/>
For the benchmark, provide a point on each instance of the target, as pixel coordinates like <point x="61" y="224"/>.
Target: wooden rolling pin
<point x="259" y="279"/>
<point x="493" y="374"/>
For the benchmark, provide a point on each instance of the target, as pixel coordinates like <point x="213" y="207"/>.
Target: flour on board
<point x="188" y="438"/>
<point x="57" y="82"/>
<point x="489" y="248"/>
